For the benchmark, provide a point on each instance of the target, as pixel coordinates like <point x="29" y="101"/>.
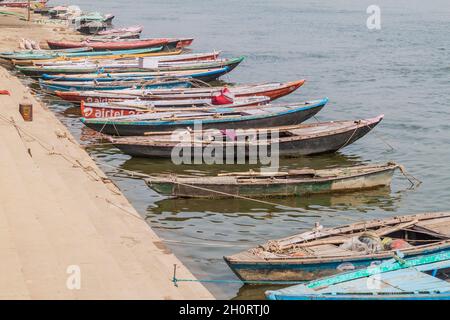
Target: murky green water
<point x="401" y="71"/>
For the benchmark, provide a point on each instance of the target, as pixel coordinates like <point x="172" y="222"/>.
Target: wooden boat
<point x="51" y="86"/>
<point x="90" y="27"/>
<point x="135" y="29"/>
<point x="91" y="72"/>
<point x="292" y="141"/>
<point x="169" y="43"/>
<point x="134" y="81"/>
<point x="327" y="251"/>
<point x="103" y="46"/>
<point x="224" y="118"/>
<point x="276" y="184"/>
<point x="114" y="37"/>
<point x="272" y="90"/>
<point x="120" y="109"/>
<point x="419" y="278"/>
<point x="22" y="3"/>
<point x="100" y="60"/>
<point x="30" y="54"/>
<point x="20" y="60"/>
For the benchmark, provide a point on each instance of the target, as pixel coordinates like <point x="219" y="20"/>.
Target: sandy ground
<point x="66" y="231"/>
<point x="12" y="29"/>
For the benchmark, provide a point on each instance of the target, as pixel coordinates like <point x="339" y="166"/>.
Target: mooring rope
<point x="175" y="280"/>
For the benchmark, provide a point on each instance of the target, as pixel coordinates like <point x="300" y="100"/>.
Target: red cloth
<point x="223" y="97"/>
<point x="399" y="244"/>
<point x="5" y="92"/>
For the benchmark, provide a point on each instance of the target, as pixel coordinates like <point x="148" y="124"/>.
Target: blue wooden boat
<point x="225" y="118"/>
<point x="418" y="278"/>
<point x="204" y="75"/>
<point x="52" y="86"/>
<point x="327" y="251"/>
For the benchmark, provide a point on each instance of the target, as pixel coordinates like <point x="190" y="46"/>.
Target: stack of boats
<point x="138" y="92"/>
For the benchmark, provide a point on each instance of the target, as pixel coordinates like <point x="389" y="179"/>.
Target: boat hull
<point x="140" y="128"/>
<point x="203" y="75"/>
<point x="295" y="148"/>
<point x="57" y="70"/>
<point x="92" y="111"/>
<point x="273" y="93"/>
<point x="294" y="271"/>
<point x="102" y="46"/>
<point x="255" y="190"/>
<point x="163" y="85"/>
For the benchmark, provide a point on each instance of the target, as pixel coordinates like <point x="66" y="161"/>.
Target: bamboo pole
<point x="29" y="10"/>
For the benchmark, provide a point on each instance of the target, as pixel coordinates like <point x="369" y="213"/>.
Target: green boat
<point x="419" y="278"/>
<point x="94" y="70"/>
<point x="277" y="184"/>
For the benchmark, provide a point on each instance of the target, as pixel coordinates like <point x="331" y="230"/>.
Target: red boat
<point x="105" y="110"/>
<point x="272" y="90"/>
<point x="122" y="45"/>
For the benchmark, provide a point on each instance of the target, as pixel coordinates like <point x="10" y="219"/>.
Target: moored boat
<point x="291" y="141"/>
<point x="135" y="29"/>
<point x="52" y="86"/>
<point x="113" y="45"/>
<point x="19" y="60"/>
<point x="252" y="184"/>
<point x="327" y="251"/>
<point x="224" y="118"/>
<point x="93" y="71"/>
<point x="132" y="81"/>
<point x="101" y="59"/>
<point x="420" y="278"/>
<point x="168" y="43"/>
<point x="120" y="109"/>
<point x="272" y="90"/>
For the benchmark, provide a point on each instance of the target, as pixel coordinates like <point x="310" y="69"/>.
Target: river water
<point x="401" y="71"/>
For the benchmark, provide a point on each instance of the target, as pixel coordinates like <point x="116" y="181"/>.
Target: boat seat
<point x="331" y="250"/>
<point x="441" y="226"/>
<point x="405" y="280"/>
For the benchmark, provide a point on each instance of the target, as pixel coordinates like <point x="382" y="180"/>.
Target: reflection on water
<point x="254" y="292"/>
<point x="362" y="201"/>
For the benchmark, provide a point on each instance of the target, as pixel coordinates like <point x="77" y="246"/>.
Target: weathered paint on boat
<point x="271" y="90"/>
<point x="338" y="180"/>
<point x="254" y="264"/>
<point x="120" y="109"/>
<point x="294" y="114"/>
<point x="203" y="75"/>
<point x="94" y="56"/>
<point x="112" y="45"/>
<point x="99" y="73"/>
<point x="50" y="86"/>
<point x="395" y="279"/>
<point x="308" y="139"/>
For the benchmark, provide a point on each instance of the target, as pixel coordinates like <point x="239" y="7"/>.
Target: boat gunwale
<point x="336" y="231"/>
<point x="375" y="169"/>
<point x="142" y="141"/>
